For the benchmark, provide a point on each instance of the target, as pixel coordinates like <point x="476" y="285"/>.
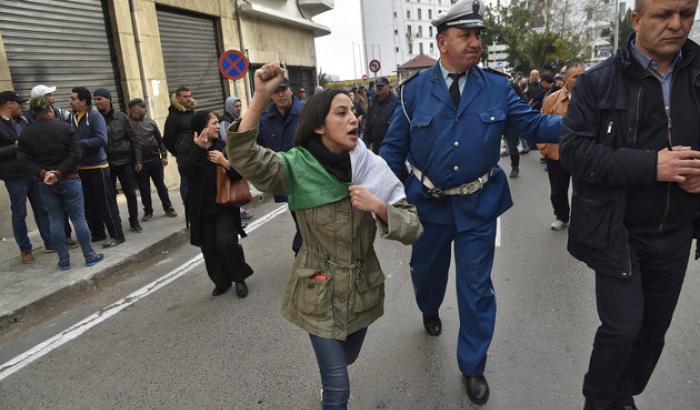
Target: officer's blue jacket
<point x="456" y="146"/>
<point x="277" y="132"/>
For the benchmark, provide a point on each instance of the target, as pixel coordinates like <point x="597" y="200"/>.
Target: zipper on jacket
<point x="636" y="116"/>
<point x="668" y="188"/>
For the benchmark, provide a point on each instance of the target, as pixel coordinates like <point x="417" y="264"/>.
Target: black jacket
<point x="149" y="139"/>
<point x="10" y="165"/>
<point x="201" y="198"/>
<point x="178" y="132"/>
<point x="122" y="145"/>
<point x="49" y="145"/>
<point x="614" y="128"/>
<point x="535" y="95"/>
<point x="378" y="119"/>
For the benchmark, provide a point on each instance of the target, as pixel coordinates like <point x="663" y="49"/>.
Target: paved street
<point x="180" y="348"/>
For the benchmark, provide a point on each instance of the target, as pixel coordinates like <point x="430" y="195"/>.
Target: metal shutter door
<point x="191" y="57"/>
<point x="63" y="43"/>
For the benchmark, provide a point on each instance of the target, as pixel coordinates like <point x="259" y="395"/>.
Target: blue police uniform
<point x="452" y="146"/>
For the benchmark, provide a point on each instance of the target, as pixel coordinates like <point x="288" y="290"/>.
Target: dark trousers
<point x="183" y="193"/>
<point x="223" y="256"/>
<point x="559" y="180"/>
<point x="101" y="204"/>
<point x="635" y="316"/>
<point x="20" y="190"/>
<point x="513" y="153"/>
<point x="127" y="179"/>
<point x="334" y="357"/>
<point x="476" y="299"/>
<point x="153" y="170"/>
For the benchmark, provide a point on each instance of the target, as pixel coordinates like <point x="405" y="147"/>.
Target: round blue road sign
<point x="233" y="64"/>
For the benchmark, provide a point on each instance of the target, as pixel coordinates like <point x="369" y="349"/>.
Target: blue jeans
<point x="334" y="357"/>
<point x="19" y="190"/>
<point x="66" y="196"/>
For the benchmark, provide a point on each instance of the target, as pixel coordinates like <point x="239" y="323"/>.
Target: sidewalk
<point x="26" y="289"/>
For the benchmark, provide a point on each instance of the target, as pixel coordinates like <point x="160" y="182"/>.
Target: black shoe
<point x="146" y="217"/>
<point x="477" y="389"/>
<point x="220" y="291"/>
<point x="136" y="228"/>
<point x="433" y="325"/>
<point x="112" y="243"/>
<point x="590" y="406"/>
<point x="628" y="406"/>
<point x="170" y="213"/>
<point x="241" y="289"/>
<point x="514" y="173"/>
<point x="98" y="238"/>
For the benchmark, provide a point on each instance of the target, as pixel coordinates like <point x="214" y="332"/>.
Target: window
<point x="420" y="14"/>
<point x="408" y="29"/>
<point x="420" y="31"/>
<point x="396" y="31"/>
<point x="420" y="47"/>
<point x="395" y="15"/>
<point x="410" y="48"/>
<point x="397" y="49"/>
<point x="430" y="14"/>
<point x="430" y="30"/>
<point x="408" y="14"/>
<point x="432" y="48"/>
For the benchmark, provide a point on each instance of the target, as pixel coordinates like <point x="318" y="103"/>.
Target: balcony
<point x="310" y="8"/>
<point x="255" y="10"/>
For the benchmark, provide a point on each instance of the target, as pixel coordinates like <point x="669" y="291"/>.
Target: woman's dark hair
<point x="314" y="114"/>
<point x="200" y="119"/>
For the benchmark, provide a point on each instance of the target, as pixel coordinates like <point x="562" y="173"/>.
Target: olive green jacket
<point x="337" y="241"/>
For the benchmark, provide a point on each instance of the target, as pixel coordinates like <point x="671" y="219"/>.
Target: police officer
<point x="448" y="124"/>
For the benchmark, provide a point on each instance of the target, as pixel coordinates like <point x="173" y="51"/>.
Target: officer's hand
<point x="366" y="201"/>
<point x="676" y="165"/>
<point x="138" y="167"/>
<point x="268" y="78"/>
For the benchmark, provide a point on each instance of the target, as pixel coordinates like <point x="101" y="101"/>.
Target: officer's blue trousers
<point x="430" y="262"/>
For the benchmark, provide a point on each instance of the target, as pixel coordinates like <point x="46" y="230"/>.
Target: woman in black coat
<point x="214" y="228"/>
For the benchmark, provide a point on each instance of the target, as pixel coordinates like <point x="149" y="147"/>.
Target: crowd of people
<point x="423" y="163"/>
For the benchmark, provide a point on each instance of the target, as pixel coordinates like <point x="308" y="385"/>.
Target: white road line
<point x="498" y="234"/>
<point x="24" y="359"/>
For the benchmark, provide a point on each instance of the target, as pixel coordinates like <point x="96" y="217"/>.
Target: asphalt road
<point x="180" y="348"/>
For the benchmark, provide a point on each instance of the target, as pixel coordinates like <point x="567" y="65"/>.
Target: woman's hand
<point x="203" y="139"/>
<point x="267" y="79"/>
<point x="362" y="199"/>
<point x="218" y="158"/>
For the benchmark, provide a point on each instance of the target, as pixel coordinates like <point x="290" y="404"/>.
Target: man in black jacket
<point x="177" y="132"/>
<point x="50" y="150"/>
<point x="379" y="115"/>
<point x="123" y="153"/>
<point x="154" y="157"/>
<point x="20" y="186"/>
<point x="631" y="143"/>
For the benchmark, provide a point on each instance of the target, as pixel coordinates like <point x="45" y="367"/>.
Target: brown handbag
<point x="231" y="193"/>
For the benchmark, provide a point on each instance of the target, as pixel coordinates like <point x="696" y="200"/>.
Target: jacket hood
<point x="228" y="105"/>
<point x="175" y="104"/>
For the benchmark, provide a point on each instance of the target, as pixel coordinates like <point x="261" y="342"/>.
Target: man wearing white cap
<point x="42" y="90"/>
<point x="448" y="125"/>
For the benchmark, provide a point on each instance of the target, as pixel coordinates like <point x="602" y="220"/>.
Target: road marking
<point x="498" y="234"/>
<point x="40" y="350"/>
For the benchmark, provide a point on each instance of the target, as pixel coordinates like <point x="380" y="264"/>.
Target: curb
<point x="12" y="318"/>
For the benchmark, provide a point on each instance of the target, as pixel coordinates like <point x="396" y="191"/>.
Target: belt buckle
<point x="435" y="193"/>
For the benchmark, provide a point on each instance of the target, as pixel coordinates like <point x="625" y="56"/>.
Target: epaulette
<point x="491" y="70"/>
<point x="414" y="75"/>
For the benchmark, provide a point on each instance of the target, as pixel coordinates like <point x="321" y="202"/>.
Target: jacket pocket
<point x="313" y="296"/>
<point x="590" y="222"/>
<point x="369" y="289"/>
<point x="421" y="121"/>
<point x="491" y="126"/>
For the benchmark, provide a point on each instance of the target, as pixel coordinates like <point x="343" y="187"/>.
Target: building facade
<point x="148" y="48"/>
<point x="395" y="31"/>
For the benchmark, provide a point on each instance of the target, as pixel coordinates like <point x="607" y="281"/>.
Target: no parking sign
<point x="233" y="64"/>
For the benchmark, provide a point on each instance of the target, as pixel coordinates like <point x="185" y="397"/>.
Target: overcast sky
<point x="334" y="52"/>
